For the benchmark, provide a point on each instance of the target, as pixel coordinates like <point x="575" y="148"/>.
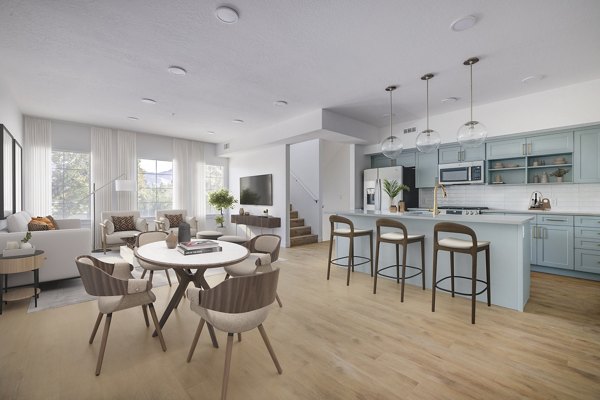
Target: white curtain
<point x="102" y="174"/>
<point x="127" y="160"/>
<point x="37" y="166"/>
<point x="188" y="177"/>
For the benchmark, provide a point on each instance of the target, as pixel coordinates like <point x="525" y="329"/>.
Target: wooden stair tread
<point x="303" y="239"/>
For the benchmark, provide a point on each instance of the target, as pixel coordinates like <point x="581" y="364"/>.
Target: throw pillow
<point x="125" y="223"/>
<point x="174" y="219"/>
<point x="53" y="221"/>
<point x="43" y="221"/>
<point x="34" y="225"/>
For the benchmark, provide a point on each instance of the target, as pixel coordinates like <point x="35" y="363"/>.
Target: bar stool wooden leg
<point x="371" y="251"/>
<point x="452" y="271"/>
<point x="473" y="285"/>
<point x="397" y="263"/>
<point x="350" y="261"/>
<point x="434" y="274"/>
<point x="423" y="262"/>
<point x="487" y="275"/>
<point x="330" y="250"/>
<point x="376" y="266"/>
<point x="403" y="271"/>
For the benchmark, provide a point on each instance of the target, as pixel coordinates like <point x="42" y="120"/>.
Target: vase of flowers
<point x="559" y="174"/>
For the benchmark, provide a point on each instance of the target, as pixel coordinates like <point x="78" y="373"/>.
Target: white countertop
<point x="483" y="218"/>
<point x="561" y="212"/>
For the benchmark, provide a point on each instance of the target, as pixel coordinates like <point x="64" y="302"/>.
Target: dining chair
<point x="236" y="305"/>
<point x="116" y="290"/>
<point x="258" y="245"/>
<point x="150" y="237"/>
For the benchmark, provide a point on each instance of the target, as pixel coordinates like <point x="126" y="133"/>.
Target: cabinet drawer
<point x="587" y="261"/>
<point x="588" y="244"/>
<point x="587" y="221"/>
<point x="583" y="232"/>
<point x="565" y="220"/>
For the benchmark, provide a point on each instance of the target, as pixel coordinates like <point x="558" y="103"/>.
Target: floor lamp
<point x="121" y="185"/>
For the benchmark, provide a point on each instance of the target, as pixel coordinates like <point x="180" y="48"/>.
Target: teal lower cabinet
<point x="552" y="241"/>
<point x="587" y="244"/>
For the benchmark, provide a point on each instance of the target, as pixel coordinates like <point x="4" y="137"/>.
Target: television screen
<point x="256" y="190"/>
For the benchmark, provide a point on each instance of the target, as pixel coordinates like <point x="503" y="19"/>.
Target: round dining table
<point x="190" y="268"/>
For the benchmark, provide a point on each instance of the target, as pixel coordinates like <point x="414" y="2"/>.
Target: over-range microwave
<point x="461" y="173"/>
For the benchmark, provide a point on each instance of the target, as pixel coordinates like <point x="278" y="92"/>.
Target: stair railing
<point x="304" y="187"/>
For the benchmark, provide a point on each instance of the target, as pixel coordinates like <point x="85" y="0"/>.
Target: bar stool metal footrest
<point x="437" y="285"/>
<point x="367" y="259"/>
<point x="398" y="277"/>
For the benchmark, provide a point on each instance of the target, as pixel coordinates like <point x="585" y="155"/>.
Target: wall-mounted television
<point x="256" y="190"/>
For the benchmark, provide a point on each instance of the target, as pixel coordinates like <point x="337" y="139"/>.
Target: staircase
<point x="299" y="233"/>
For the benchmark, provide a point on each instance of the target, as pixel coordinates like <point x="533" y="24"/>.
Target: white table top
<point x="158" y="253"/>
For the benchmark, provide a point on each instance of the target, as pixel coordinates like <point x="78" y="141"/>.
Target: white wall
<point x="10" y="115"/>
<point x="304" y="183"/>
<point x="337" y="180"/>
<point x="267" y="160"/>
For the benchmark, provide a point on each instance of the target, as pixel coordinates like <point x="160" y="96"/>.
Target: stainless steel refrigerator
<point x="374" y="198"/>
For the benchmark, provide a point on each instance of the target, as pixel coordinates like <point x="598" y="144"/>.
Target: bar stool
<point x="399" y="239"/>
<point x="350" y="233"/>
<point x="454" y="245"/>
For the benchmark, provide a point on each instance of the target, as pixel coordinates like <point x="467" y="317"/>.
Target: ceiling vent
<point x="410" y="130"/>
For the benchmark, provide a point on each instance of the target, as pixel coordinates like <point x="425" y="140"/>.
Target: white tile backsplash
<point x="563" y="197"/>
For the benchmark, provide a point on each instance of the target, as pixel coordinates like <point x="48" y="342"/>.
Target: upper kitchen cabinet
<point x="426" y="169"/>
<point x="586" y="158"/>
<point x="407" y="158"/>
<point x="505" y="149"/>
<point x="454" y="154"/>
<point x="554" y="143"/>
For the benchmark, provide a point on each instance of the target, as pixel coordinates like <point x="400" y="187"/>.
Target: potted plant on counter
<point x="559" y="174"/>
<point x="393" y="188"/>
<point x="221" y="199"/>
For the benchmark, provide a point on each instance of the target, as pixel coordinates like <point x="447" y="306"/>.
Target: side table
<point x="15" y="265"/>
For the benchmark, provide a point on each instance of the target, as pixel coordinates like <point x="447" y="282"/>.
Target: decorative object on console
<point x="241" y="211"/>
<point x="171" y="240"/>
<point x="472" y="133"/>
<point x="221" y="199"/>
<point x="428" y="140"/>
<point x="391" y="147"/>
<point x="266" y="212"/>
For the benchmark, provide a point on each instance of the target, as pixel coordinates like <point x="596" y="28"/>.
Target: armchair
<point x="166" y="220"/>
<point x="114" y="227"/>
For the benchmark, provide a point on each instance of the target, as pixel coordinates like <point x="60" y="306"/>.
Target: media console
<point x="256" y="220"/>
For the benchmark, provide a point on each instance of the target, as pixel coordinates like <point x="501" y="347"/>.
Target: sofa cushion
<point x="53" y="221"/>
<point x="18" y="222"/>
<point x="124" y="223"/>
<point x="174" y="219"/>
<point x="42" y="221"/>
<point x="34" y="225"/>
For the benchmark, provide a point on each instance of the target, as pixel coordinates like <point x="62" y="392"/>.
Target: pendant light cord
<point x="391" y="136"/>
<point x="427" y="106"/>
<point x="471" y="65"/>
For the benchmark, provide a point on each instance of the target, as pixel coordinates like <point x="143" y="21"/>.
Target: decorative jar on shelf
<point x="544" y="178"/>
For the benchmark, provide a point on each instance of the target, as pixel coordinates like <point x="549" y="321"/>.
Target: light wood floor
<point x="333" y="342"/>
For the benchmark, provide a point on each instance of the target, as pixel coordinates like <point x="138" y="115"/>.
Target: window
<point x="213" y="180"/>
<point x="155" y="186"/>
<point x="70" y="185"/>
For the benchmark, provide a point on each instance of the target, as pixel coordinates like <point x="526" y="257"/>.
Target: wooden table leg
<point x="1" y="291"/>
<point x="184" y="280"/>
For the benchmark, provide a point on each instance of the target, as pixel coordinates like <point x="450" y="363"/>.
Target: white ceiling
<point x="92" y="61"/>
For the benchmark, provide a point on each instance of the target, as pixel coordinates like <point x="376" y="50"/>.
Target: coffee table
<point x="157" y="253"/>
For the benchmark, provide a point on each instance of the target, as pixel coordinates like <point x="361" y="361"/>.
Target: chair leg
<point x="473" y="286"/>
<point x="239" y="336"/>
<point x="487" y="274"/>
<point x="350" y="261"/>
<point x="96" y="325"/>
<point x="103" y="345"/>
<point x="157" y="326"/>
<point x="330" y="251"/>
<point x="371" y="251"/>
<point x="377" y="245"/>
<point x="144" y="274"/>
<point x="261" y="328"/>
<point x="227" y="365"/>
<point x="423" y="262"/>
<point x="168" y="277"/>
<point x="278" y="300"/>
<point x="433" y="283"/>
<point x="452" y="272"/>
<point x="151" y="276"/>
<point x="397" y="263"/>
<point x="145" y="311"/>
<point x="403" y="272"/>
<point x="226" y="277"/>
<point x="195" y="341"/>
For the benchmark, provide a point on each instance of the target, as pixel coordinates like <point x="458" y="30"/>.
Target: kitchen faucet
<point x="435" y="210"/>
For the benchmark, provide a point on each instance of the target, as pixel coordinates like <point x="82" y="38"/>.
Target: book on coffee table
<point x="201" y="250"/>
<point x="198" y="244"/>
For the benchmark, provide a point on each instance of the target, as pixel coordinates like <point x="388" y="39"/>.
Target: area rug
<point x="71" y="291"/>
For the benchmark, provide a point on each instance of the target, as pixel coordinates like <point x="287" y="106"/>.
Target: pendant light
<point x="428" y="140"/>
<point x="471" y="133"/>
<point x="391" y="147"/>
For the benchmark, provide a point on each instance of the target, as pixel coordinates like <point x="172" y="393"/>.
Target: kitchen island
<point x="509" y="251"/>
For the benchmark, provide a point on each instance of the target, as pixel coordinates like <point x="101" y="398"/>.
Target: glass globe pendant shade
<point x="471" y="134"/>
<point x="428" y="141"/>
<point x="392" y="147"/>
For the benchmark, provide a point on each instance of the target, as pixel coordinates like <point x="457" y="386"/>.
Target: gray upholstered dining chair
<point x="236" y="305"/>
<point x="116" y="290"/>
<point x="150" y="237"/>
<point x="258" y="245"/>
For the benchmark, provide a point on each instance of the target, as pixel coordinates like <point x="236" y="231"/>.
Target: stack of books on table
<point x="198" y="247"/>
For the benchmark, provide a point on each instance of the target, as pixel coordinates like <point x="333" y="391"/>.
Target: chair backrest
<point x="266" y="243"/>
<point x="161" y="213"/>
<point x="390" y="223"/>
<point x="336" y="219"/>
<point x="452" y="227"/>
<point x="108" y="214"/>
<point x="97" y="279"/>
<point x="242" y="294"/>
<point x="150" y="237"/>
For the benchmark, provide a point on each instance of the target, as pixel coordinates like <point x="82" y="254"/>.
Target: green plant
<point x="560" y="172"/>
<point x="26" y="238"/>
<point x="221" y="199"/>
<point x="393" y="188"/>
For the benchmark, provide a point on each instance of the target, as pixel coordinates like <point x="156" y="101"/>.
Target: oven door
<point x="454" y="175"/>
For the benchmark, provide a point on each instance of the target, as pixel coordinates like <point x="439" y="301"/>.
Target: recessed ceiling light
<point x="464" y="23"/>
<point x="134" y="118"/>
<point x="532" y="78"/>
<point x="238" y="121"/>
<point x="227" y="15"/>
<point x="211" y="132"/>
<point x="450" y="100"/>
<point x="174" y="69"/>
<point x="148" y="101"/>
<point x="280" y="103"/>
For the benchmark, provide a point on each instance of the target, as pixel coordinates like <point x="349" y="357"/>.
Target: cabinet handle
<point x="523" y="149"/>
<point x="556" y="220"/>
<point x="529" y="148"/>
<point x="533" y="232"/>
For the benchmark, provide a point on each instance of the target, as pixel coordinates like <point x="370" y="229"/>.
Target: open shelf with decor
<point x="540" y="169"/>
<point x="507" y="171"/>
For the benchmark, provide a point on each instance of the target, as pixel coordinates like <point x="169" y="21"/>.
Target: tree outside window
<point x="154" y="186"/>
<point x="70" y="185"/>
